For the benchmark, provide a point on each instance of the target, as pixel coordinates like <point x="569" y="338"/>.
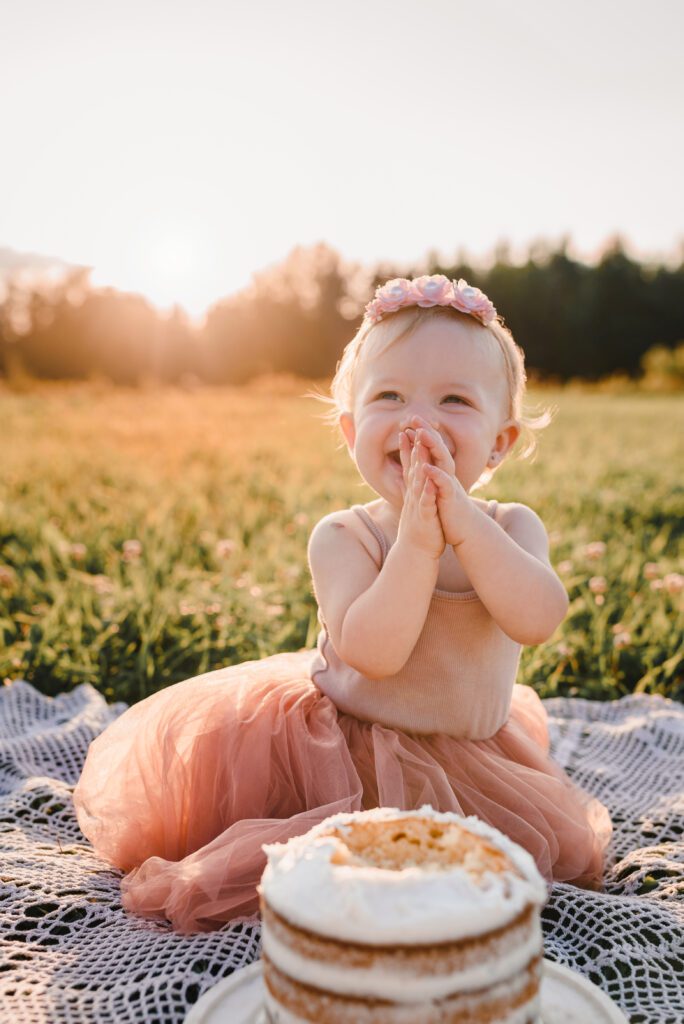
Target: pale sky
<point x="177" y="146"/>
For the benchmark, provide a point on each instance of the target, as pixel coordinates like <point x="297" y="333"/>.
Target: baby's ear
<point x="505" y="439"/>
<point x="348" y="429"/>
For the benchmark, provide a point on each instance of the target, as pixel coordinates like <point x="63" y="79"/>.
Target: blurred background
<point x="211" y="191"/>
<point x="196" y="202"/>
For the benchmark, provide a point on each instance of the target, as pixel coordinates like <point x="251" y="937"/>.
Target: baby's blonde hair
<point x="373" y="339"/>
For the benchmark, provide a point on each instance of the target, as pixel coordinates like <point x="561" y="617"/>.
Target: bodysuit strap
<point x="375" y="530"/>
<point x="382" y="539"/>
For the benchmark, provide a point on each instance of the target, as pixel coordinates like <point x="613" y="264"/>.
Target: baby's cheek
<point x="467" y="433"/>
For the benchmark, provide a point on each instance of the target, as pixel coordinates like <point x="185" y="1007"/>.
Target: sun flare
<point x="172" y="264"/>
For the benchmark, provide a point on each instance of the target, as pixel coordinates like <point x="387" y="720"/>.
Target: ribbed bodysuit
<point x="458" y="679"/>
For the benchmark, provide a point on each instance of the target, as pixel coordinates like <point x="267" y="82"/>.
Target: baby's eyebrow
<point x="396" y="382"/>
<point x="384" y="385"/>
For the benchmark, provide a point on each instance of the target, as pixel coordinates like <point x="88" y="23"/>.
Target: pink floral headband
<point x="430" y="290"/>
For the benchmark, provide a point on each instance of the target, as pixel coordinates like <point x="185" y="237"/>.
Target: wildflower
<point x="213" y="609"/>
<point x="256" y="591"/>
<point x="225" y="547"/>
<point x="132" y="550"/>
<point x="598" y="584"/>
<point x="651" y="570"/>
<point x="563" y="650"/>
<point x="600" y="599"/>
<point x="185" y="608"/>
<point x="274" y="609"/>
<point x="301" y="519"/>
<point x="657" y="584"/>
<point x="7" y="576"/>
<point x="77" y="552"/>
<point x="673" y="583"/>
<point x="595" y="550"/>
<point x="101" y="584"/>
<point x="622" y="640"/>
<point x="566" y="566"/>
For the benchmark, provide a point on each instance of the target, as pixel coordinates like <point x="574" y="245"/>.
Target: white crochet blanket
<point x="69" y="953"/>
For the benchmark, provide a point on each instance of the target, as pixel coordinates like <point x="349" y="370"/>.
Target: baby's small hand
<point x="453" y="504"/>
<point x="432" y="439"/>
<point x="456" y="510"/>
<point x="419" y="524"/>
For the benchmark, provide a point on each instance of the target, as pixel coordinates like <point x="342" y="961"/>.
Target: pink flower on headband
<point x="436" y="290"/>
<point x="391" y="296"/>
<point x="471" y="300"/>
<point x="426" y="291"/>
<point x="394" y="294"/>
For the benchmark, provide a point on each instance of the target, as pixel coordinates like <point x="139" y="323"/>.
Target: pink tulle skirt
<point x="183" y="788"/>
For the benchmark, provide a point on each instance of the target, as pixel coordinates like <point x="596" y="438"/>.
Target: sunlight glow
<point x="172" y="264"/>
<point x="180" y="186"/>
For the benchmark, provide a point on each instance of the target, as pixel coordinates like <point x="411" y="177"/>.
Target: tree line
<point x="572" y="319"/>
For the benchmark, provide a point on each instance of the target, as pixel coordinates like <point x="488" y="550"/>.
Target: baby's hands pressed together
<point x="419" y="523"/>
<point x="454" y="507"/>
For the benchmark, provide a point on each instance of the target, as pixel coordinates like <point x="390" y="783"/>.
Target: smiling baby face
<point x="449" y="372"/>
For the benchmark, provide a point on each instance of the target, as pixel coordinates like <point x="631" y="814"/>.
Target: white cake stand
<point x="566" y="998"/>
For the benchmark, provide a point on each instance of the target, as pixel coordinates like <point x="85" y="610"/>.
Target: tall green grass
<point x="219" y="490"/>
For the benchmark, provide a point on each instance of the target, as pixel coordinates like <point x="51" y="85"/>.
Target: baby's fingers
<point x="438" y="450"/>
<point x="427" y="497"/>
<point x="404" y="453"/>
<point x="416" y="479"/>
<point x="441" y="481"/>
<point x="413" y="461"/>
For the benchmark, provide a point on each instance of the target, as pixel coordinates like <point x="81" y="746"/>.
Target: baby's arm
<point x="373" y="618"/>
<point x="508" y="565"/>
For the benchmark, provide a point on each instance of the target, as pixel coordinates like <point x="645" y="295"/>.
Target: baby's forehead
<point x="463" y="359"/>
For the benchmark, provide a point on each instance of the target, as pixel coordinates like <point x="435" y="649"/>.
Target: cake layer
<point x="510" y="1002"/>
<point x="373" y="878"/>
<point x="401" y="973"/>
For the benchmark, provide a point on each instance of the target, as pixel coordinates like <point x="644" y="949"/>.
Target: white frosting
<point x="377" y="906"/>
<point x="400" y="985"/>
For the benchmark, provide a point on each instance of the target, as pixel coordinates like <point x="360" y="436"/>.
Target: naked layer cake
<point x="394" y="917"/>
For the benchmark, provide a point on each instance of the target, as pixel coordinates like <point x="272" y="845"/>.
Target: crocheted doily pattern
<point x="72" y="955"/>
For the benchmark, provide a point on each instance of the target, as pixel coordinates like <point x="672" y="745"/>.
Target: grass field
<point x="147" y="536"/>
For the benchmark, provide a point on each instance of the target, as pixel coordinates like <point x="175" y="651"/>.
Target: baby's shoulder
<point x="341" y="567"/>
<point x="525" y="527"/>
<point x="513" y="512"/>
<point x="342" y="528"/>
<point x="333" y="522"/>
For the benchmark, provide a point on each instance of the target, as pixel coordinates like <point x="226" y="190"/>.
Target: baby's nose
<point x="406" y="422"/>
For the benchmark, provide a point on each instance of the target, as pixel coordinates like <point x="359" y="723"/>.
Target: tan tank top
<point x="458" y="679"/>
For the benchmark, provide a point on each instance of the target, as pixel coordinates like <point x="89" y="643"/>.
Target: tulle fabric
<point x="182" y="790"/>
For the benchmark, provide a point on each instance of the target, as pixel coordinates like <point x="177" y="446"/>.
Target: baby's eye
<point x="383" y="394"/>
<point x="457" y="398"/>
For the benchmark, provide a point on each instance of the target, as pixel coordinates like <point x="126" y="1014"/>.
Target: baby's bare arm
<point x="373" y="618"/>
<point x="508" y="565"/>
<point x="382" y="625"/>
